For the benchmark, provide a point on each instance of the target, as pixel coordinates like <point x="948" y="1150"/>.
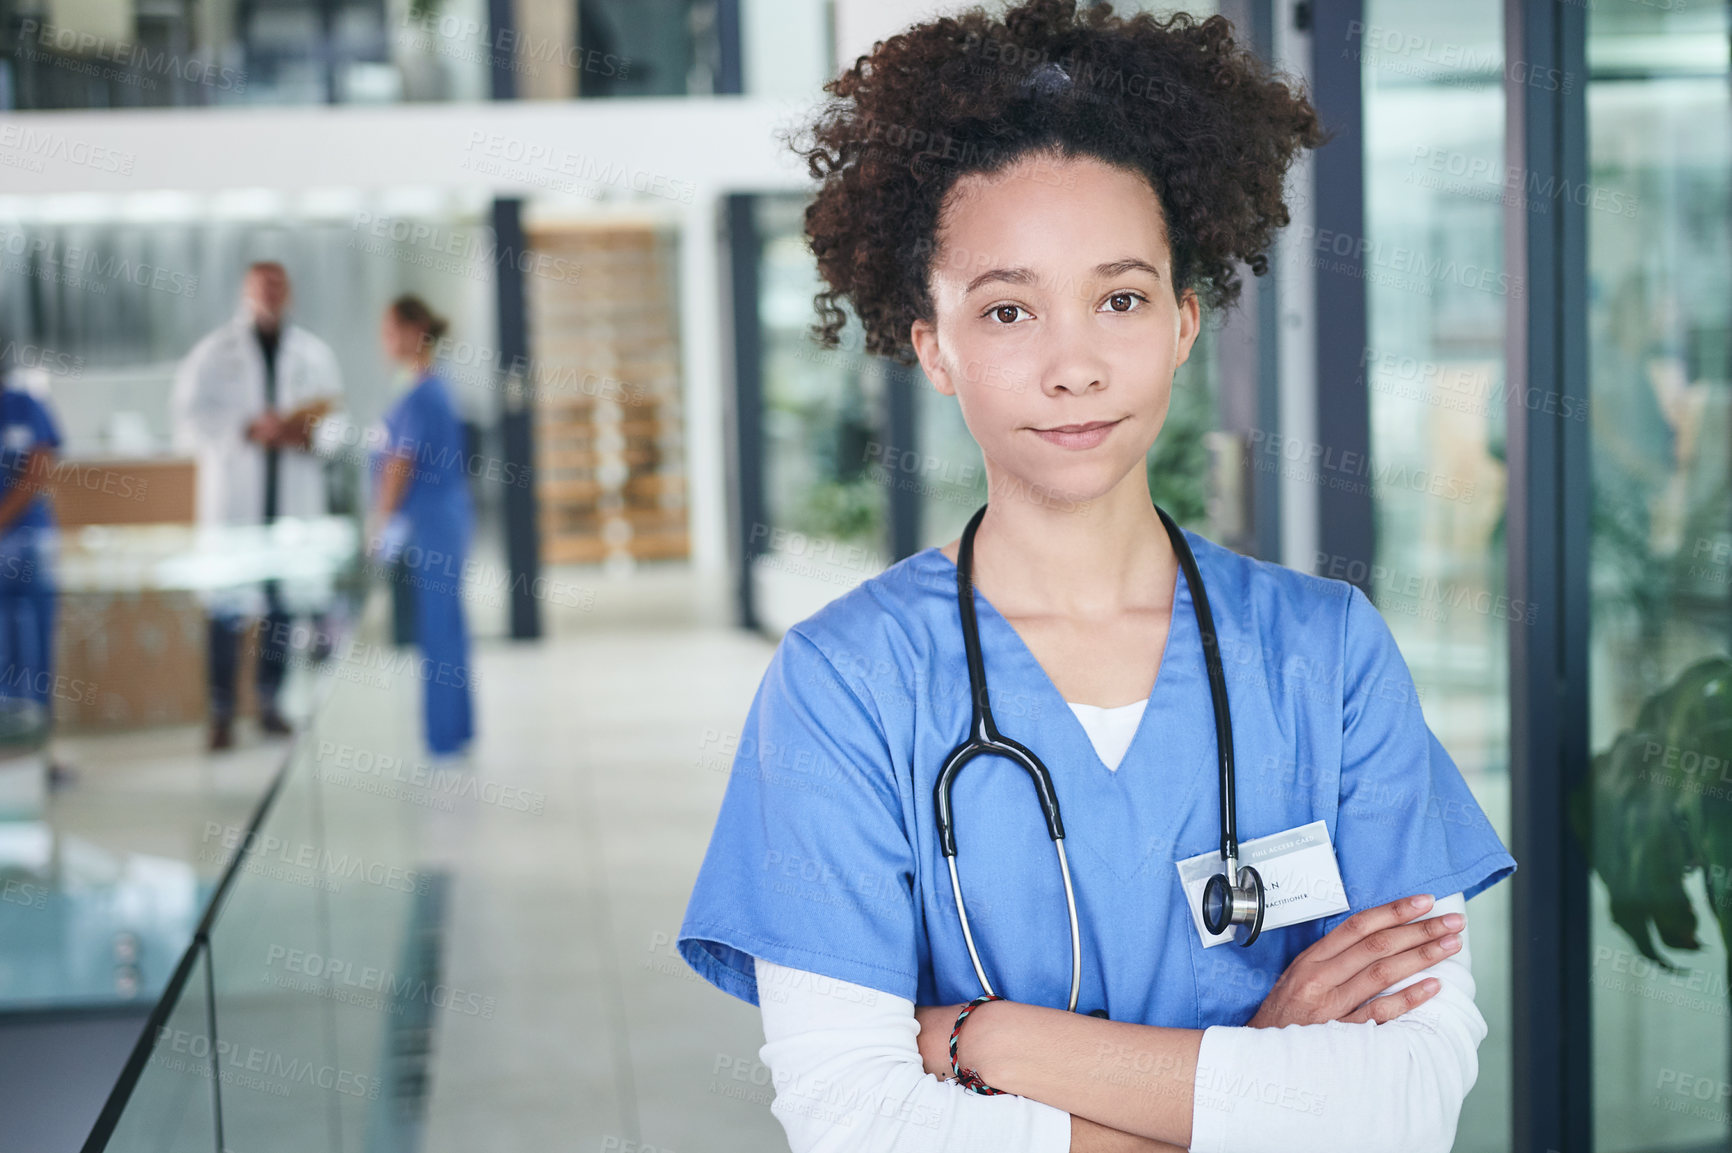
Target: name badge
<point x="1301" y="880"/>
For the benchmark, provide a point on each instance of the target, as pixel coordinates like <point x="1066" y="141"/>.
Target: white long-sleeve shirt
<point x="846" y="1066"/>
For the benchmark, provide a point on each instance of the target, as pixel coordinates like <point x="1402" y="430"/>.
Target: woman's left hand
<point x="936" y="1021"/>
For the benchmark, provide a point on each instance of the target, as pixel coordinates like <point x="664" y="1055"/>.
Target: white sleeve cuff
<point x="845" y="1064"/>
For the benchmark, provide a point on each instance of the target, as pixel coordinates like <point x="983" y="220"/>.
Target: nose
<point x="1073" y="362"/>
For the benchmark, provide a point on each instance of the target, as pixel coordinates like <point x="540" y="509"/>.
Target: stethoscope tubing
<point x="1217" y="687"/>
<point x="985" y="739"/>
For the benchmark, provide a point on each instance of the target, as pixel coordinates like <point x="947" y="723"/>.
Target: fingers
<point x="1392" y="1005"/>
<point x="1366" y="922"/>
<point x="1396" y="954"/>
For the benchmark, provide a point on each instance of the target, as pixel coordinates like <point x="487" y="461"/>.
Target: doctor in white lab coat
<point x="248" y="400"/>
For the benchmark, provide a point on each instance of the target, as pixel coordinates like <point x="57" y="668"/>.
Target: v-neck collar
<point x="991" y="620"/>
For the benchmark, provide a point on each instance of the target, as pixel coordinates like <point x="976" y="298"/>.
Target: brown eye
<point x="1007" y="313"/>
<point x="1127" y="299"/>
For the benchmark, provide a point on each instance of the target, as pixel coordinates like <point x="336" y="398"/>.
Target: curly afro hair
<point x="1211" y="128"/>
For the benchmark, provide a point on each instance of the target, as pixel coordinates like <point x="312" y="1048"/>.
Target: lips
<point x="1089" y="427"/>
<point x="1077" y="436"/>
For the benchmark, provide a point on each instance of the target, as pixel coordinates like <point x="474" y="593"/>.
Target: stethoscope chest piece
<point x="1235" y="903"/>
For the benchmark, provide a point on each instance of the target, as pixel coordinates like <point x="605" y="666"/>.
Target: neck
<point x="1094" y="559"/>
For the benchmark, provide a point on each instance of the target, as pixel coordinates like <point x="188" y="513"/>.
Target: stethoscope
<point x="1232" y="898"/>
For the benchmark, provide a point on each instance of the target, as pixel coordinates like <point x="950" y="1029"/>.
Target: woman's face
<point x="1055" y="324"/>
<point x="398" y="339"/>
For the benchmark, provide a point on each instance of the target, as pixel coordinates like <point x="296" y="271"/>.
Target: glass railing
<point x="299" y="1016"/>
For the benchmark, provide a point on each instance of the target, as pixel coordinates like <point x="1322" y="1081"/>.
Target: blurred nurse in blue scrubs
<point x="422" y="517"/>
<point x="28" y="443"/>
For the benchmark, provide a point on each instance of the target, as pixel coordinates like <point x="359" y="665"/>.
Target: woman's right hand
<point x="1334" y="978"/>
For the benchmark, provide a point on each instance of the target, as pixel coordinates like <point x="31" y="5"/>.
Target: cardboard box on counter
<point x="155" y="490"/>
<point x="129" y="659"/>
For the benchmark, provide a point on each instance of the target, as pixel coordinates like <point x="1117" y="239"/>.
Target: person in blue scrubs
<point x="29" y="442"/>
<point x="423" y="518"/>
<point x="1046" y="255"/>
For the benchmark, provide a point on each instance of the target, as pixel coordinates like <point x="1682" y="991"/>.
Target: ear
<point x="923" y="335"/>
<point x="1190" y="323"/>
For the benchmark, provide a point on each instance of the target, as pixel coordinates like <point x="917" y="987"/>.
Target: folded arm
<point x="1397" y="1085"/>
<point x="846" y="1066"/>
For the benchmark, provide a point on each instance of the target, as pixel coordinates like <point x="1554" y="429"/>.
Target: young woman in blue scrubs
<point x="423" y="517"/>
<point x="1038" y="208"/>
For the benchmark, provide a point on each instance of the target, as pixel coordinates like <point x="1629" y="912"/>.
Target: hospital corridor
<point x="865" y="576"/>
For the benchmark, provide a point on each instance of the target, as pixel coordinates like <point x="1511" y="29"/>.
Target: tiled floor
<point x="566" y="916"/>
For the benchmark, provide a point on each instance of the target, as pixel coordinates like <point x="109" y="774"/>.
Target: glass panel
<point x="1180" y="465"/>
<point x="826" y="500"/>
<point x="388" y="818"/>
<point x="1436" y="296"/>
<point x="172" y="1108"/>
<point x="955" y="485"/>
<point x="666" y="47"/>
<point x="1658" y="202"/>
<point x="326" y="951"/>
<point x="273" y="970"/>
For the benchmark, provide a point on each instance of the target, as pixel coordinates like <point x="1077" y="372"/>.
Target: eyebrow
<point x="1022" y="275"/>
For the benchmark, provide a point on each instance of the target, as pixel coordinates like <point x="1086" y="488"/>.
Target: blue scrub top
<point x="24" y="425"/>
<point x="424" y="426"/>
<point x="825" y="854"/>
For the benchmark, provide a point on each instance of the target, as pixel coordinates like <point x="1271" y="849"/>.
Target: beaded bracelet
<point x="968" y="1078"/>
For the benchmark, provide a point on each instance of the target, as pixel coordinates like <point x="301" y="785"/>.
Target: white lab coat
<point x="218" y="391"/>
